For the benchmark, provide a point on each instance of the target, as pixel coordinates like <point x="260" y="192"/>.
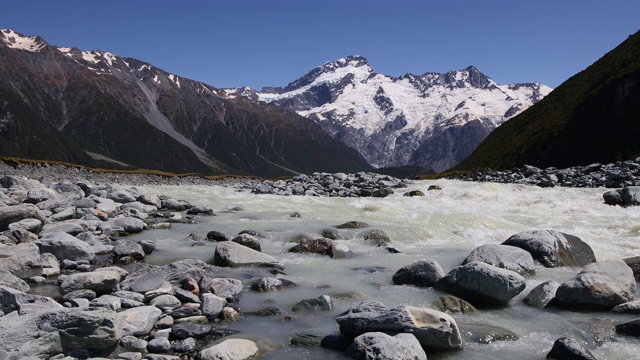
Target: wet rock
<point x="223" y="287"/>
<point x="65" y="247"/>
<point x="306" y="340"/>
<point x="422" y="273"/>
<point x="569" y="349"/>
<point x="631" y="328"/>
<point x="231" y="349"/>
<point x="505" y="257"/>
<point x="211" y="305"/>
<point x="542" y="295"/>
<point x="599" y="286"/>
<point x="453" y="304"/>
<point x="322" y="303"/>
<point x="159" y="345"/>
<point x="139" y="321"/>
<point x="22" y="260"/>
<point x="378" y="345"/>
<point x="249" y="241"/>
<point x="634" y="264"/>
<point x="188" y="329"/>
<point x="375" y="238"/>
<point x="271" y="284"/>
<point x="631" y="307"/>
<point x="217" y="236"/>
<point x="331" y="234"/>
<point x="413" y="193"/>
<point x="166" y="302"/>
<point x="482" y="284"/>
<point x="552" y="248"/>
<point x="92" y="329"/>
<point x="101" y="282"/>
<point x="200" y="210"/>
<point x="231" y="254"/>
<point x="486" y="334"/>
<point x="15" y="300"/>
<point x="184" y="346"/>
<point x="123" y="248"/>
<point x="313" y="246"/>
<point x="434" y="330"/>
<point x="353" y="225"/>
<point x="9" y="280"/>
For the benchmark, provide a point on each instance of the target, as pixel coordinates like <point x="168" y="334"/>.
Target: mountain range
<point x="431" y="120"/>
<point x="593" y="117"/>
<point x="97" y="109"/>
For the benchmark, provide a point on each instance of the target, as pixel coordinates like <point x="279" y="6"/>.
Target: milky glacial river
<point x="444" y="225"/>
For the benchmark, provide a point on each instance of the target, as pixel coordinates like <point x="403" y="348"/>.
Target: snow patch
<point x="18" y="41"/>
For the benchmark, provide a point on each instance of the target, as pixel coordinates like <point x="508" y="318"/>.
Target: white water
<point x="443" y="225"/>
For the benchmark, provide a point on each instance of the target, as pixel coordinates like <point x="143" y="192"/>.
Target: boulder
<point x="378" y="345"/>
<point x="434" y="330"/>
<point x="353" y="225"/>
<point x="613" y="197"/>
<point x="211" y="305"/>
<point x="159" y="345"/>
<point x="313" y="246"/>
<point x="631" y="195"/>
<point x="230" y="254"/>
<point x="422" y="273"/>
<point x="322" y="303"/>
<point x="101" y="282"/>
<point x="139" y="321"/>
<point x="231" y="349"/>
<point x="249" y="241"/>
<point x="631" y="328"/>
<point x="569" y="349"/>
<point x="22" y="260"/>
<point x="453" y="304"/>
<point x="9" y="280"/>
<point x="121" y="196"/>
<point x="31" y="225"/>
<point x="271" y="284"/>
<point x="486" y="334"/>
<point x="124" y="225"/>
<point x="124" y="247"/>
<point x="341" y="251"/>
<point x="93" y="329"/>
<point x="634" y="264"/>
<point x="552" y="248"/>
<point x="188" y="329"/>
<point x="15" y="300"/>
<point x="375" y="237"/>
<point x="223" y="287"/>
<point x="15" y="213"/>
<point x="599" y="286"/>
<point x="503" y="256"/>
<point x="217" y="236"/>
<point x="482" y="284"/>
<point x="64" y="246"/>
<point x="165" y="302"/>
<point x="631" y="307"/>
<point x="200" y="210"/>
<point x="542" y="295"/>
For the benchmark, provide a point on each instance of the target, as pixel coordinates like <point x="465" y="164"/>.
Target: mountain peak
<point x="15" y="40"/>
<point x="332" y="71"/>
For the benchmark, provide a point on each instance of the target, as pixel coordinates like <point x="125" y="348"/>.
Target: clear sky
<point x="230" y="43"/>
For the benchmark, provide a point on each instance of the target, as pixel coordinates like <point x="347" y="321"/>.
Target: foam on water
<point x="444" y="225"/>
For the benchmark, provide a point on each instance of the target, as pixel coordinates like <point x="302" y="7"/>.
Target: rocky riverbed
<point x="73" y="284"/>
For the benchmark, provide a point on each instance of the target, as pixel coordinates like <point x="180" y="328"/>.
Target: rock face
<point x="482" y="284"/>
<point x="552" y="248"/>
<point x="421" y="273"/>
<point x="502" y="256"/>
<point x="599" y="286"/>
<point x="434" y="330"/>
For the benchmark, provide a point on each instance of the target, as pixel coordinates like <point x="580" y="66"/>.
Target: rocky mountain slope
<point x="431" y="120"/>
<point x="95" y="108"/>
<point x="593" y="117"/>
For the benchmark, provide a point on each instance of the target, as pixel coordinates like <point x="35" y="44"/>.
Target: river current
<point x="444" y="225"/>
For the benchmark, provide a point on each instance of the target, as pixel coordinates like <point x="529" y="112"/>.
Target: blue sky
<point x="258" y="43"/>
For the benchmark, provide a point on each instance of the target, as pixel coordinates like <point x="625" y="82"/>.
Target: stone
<point x="223" y="287"/>
<point x="139" y="321"/>
<point x="70" y="227"/>
<point x="19" y="236"/>
<point x="613" y="197"/>
<point x="188" y="329"/>
<point x="353" y="225"/>
<point x="503" y="256"/>
<point x="331" y="234"/>
<point x="631" y="195"/>
<point x="306" y="340"/>
<point x="15" y="300"/>
<point x="211" y="305"/>
<point x="271" y="284"/>
<point x="567" y="348"/>
<point x="166" y="302"/>
<point x="65" y="247"/>
<point x="200" y="210"/>
<point x="434" y="329"/>
<point x="149" y="199"/>
<point x="230" y="254"/>
<point x="217" y="236"/>
<point x="124" y="247"/>
<point x="249" y="241"/>
<point x="313" y="246"/>
<point x="631" y="307"/>
<point x="453" y="304"/>
<point x="83" y="293"/>
<point x="552" y="248"/>
<point x="413" y="193"/>
<point x="599" y="286"/>
<point x="31" y="225"/>
<point x="184" y="346"/>
<point x="159" y="345"/>
<point x="631" y="328"/>
<point x="83" y="329"/>
<point x="230" y="349"/>
<point x="9" y="280"/>
<point x="482" y="284"/>
<point x="322" y="303"/>
<point x="15" y="213"/>
<point x="120" y="196"/>
<point x="148" y="246"/>
<point x="378" y="345"/>
<point x="133" y="343"/>
<point x="341" y="251"/>
<point x="107" y="301"/>
<point x="542" y="295"/>
<point x="375" y="237"/>
<point x="101" y="282"/>
<point x="186" y="296"/>
<point x="424" y="273"/>
<point x="124" y="225"/>
<point x="22" y="260"/>
<point x="50" y="265"/>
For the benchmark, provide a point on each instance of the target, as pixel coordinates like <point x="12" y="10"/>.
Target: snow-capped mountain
<point x="431" y="120"/>
<point x="94" y="107"/>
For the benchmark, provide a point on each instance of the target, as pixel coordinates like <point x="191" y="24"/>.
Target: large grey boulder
<point x="231" y="349"/>
<point x="223" y="287"/>
<point x="101" y="282"/>
<point x="105" y="205"/>
<point x="12" y="281"/>
<point x="151" y="278"/>
<point x="212" y="305"/>
<point x="422" y="273"/>
<point x="542" y="295"/>
<point x="434" y="329"/>
<point x="231" y="254"/>
<point x="65" y="247"/>
<point x="15" y="213"/>
<point x="599" y="286"/>
<point x="631" y="195"/>
<point x="552" y="248"/>
<point x="124" y="247"/>
<point x="503" y="256"/>
<point x="138" y="321"/>
<point x="567" y="348"/>
<point x="21" y="338"/>
<point x="320" y="246"/>
<point x="120" y="196"/>
<point x="482" y="284"/>
<point x="22" y="260"/>
<point x="378" y="346"/>
<point x="321" y="303"/>
<point x="124" y="225"/>
<point x="15" y="300"/>
<point x="92" y="329"/>
<point x="485" y="333"/>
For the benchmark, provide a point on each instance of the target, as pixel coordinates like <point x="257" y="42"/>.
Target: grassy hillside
<point x="592" y="117"/>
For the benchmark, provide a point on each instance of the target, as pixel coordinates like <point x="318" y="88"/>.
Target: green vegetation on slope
<point x="592" y="117"/>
